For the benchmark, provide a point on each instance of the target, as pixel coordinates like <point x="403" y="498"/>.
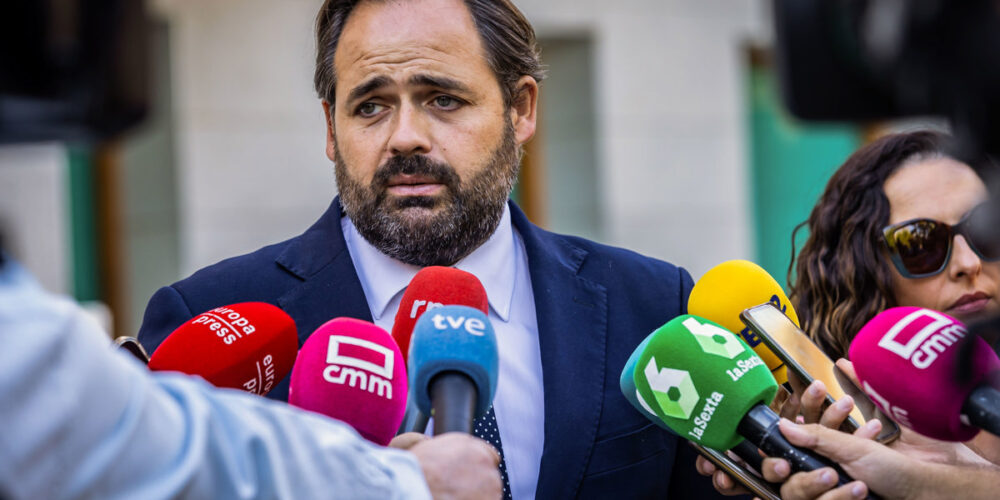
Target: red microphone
<point x="249" y="346"/>
<point x="352" y="370"/>
<point x="906" y="359"/>
<point x="435" y="286"/>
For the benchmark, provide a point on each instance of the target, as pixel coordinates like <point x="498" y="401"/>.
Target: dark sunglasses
<point x="922" y="247"/>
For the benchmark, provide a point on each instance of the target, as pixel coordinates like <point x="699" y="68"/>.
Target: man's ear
<point x="331" y="145"/>
<point x="524" y="111"/>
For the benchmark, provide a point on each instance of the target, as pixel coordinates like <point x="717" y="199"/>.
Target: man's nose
<point x="410" y="134"/>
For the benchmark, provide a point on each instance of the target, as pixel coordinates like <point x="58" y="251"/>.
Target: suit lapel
<point x="572" y="314"/>
<point x="330" y="286"/>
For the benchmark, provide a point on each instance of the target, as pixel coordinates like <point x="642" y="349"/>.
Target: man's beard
<point x="467" y="211"/>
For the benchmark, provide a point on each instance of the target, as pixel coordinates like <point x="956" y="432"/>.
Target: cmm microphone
<point x="432" y="287"/>
<point x="249" y="346"/>
<point x="453" y="367"/>
<point x="352" y="370"/>
<point x="906" y="359"/>
<point x="708" y="386"/>
<point x="729" y="288"/>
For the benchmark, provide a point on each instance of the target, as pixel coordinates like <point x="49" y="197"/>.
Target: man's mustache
<point x="441" y="173"/>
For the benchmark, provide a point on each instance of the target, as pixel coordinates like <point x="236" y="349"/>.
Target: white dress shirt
<point x="501" y="264"/>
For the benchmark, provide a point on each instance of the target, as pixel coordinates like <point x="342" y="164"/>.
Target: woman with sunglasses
<point x="891" y="229"/>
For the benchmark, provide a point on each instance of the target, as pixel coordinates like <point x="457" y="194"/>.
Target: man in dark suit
<point x="428" y="103"/>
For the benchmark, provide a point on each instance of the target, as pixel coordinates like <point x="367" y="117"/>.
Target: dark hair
<point x="509" y="40"/>
<point x="842" y="277"/>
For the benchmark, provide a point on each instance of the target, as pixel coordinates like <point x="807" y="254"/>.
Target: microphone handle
<point x="982" y="408"/>
<point x="453" y="402"/>
<point x="749" y="454"/>
<point x="760" y="427"/>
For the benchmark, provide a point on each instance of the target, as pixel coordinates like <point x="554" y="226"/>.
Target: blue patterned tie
<point x="485" y="428"/>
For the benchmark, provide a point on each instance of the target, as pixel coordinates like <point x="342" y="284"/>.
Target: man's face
<point x="425" y="150"/>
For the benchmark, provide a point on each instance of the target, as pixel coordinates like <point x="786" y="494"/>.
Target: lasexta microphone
<point x="453" y="367"/>
<point x="432" y="287"/>
<point x="729" y="288"/>
<point x="352" y="370"/>
<point x="906" y="358"/>
<point x="249" y="346"/>
<point x="626" y="382"/>
<point x="708" y="386"/>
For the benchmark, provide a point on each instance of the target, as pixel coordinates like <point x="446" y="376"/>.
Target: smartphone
<point x="808" y="362"/>
<point x="133" y="347"/>
<point x="739" y="472"/>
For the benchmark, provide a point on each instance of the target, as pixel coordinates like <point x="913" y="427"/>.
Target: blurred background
<point x="660" y="131"/>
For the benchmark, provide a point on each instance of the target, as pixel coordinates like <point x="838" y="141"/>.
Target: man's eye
<point x="369" y="109"/>
<point x="446" y="102"/>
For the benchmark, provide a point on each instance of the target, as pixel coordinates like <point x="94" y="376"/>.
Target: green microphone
<point x="703" y="379"/>
<point x="706" y="385"/>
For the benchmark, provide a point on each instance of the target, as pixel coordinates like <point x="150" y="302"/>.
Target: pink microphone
<point x="906" y="358"/>
<point x="352" y="370"/>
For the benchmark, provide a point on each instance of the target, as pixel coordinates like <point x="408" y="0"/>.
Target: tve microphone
<point x="905" y="358"/>
<point x="453" y="366"/>
<point x="729" y="288"/>
<point x="435" y="286"/>
<point x="249" y="346"/>
<point x="709" y="387"/>
<point x="352" y="370"/>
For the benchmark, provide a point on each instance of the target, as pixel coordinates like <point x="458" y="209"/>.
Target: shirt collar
<point x="382" y="277"/>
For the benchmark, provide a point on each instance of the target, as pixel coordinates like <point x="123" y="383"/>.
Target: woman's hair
<point x="842" y="278"/>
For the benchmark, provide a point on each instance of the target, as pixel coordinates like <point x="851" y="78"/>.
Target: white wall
<point x="670" y="112"/>
<point x="34" y="211"/>
<point x="250" y="135"/>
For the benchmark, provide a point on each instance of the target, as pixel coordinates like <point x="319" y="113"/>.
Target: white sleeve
<point x="81" y="420"/>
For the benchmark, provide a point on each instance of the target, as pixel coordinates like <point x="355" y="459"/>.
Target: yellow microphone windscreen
<point x="729" y="288"/>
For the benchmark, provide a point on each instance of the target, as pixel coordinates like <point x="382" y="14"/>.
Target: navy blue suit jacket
<point x="594" y="305"/>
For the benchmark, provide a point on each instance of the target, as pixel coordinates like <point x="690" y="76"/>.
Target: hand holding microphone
<point x="707" y="386"/>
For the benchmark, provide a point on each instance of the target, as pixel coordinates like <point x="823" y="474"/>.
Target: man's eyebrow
<point x="368" y="87"/>
<point x="440" y="82"/>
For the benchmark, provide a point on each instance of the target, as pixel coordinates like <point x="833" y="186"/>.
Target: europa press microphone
<point x="729" y="288"/>
<point x="453" y="367"/>
<point x="249" y="346"/>
<point x="708" y="386"/>
<point x="906" y="358"/>
<point x="352" y="370"/>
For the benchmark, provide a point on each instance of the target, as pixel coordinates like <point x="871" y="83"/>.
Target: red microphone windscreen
<point x="249" y="346"/>
<point x="352" y="370"/>
<point x="432" y="287"/>
<point x="906" y="359"/>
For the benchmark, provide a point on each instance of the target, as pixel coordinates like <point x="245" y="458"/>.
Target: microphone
<point x="708" y="386"/>
<point x="626" y="382"/>
<point x="249" y="346"/>
<point x="432" y="287"/>
<point x="906" y="359"/>
<point x="352" y="370"/>
<point x="453" y="367"/>
<point x="132" y="346"/>
<point x="729" y="288"/>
